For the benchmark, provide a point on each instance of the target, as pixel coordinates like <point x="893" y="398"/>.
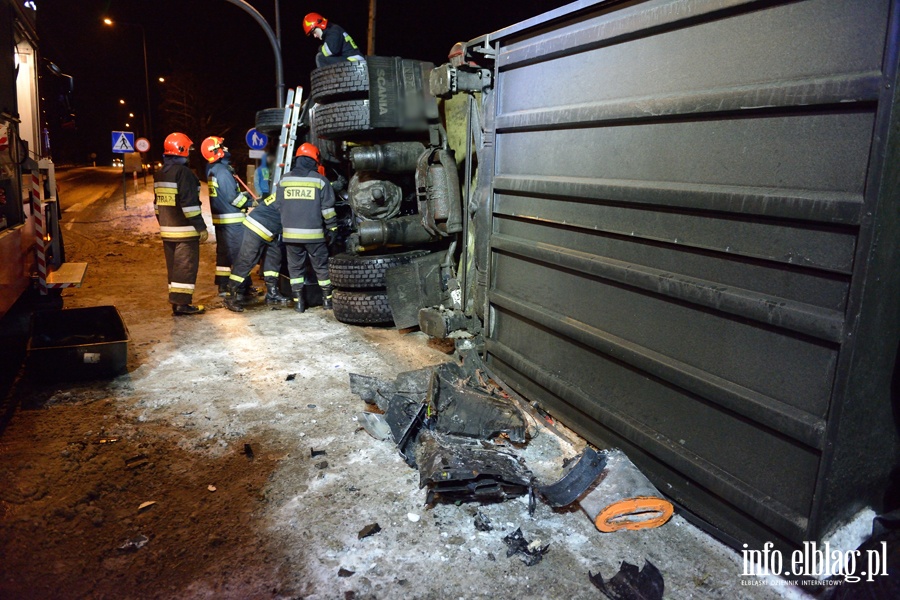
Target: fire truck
<point x="31" y="249"/>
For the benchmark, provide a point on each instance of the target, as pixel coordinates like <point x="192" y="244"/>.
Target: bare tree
<point x="193" y="105"/>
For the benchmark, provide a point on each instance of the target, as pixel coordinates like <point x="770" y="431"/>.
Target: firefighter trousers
<point x="228" y="246"/>
<point x="182" y="262"/>
<point x="253" y="248"/>
<point x="296" y="259"/>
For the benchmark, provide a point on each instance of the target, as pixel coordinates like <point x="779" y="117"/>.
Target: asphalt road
<point x="81" y="188"/>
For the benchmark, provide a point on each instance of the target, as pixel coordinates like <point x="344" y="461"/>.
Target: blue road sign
<point x="122" y="142"/>
<point x="256" y="140"/>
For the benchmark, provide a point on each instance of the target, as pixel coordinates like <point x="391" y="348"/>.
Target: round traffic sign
<point x="142" y="144"/>
<point x="256" y="140"/>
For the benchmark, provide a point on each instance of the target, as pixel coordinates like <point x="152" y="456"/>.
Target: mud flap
<point x="414" y="286"/>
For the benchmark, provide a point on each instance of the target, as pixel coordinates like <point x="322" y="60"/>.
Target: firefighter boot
<point x="299" y="303"/>
<point x="247" y="295"/>
<point x="232" y="299"/>
<point x="273" y="296"/>
<point x="326" y="297"/>
<point x="187" y="309"/>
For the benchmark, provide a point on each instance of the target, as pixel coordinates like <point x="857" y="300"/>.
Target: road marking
<point x="75" y="207"/>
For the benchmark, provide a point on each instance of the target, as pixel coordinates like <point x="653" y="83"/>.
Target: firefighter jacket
<point x="177" y="201"/>
<point x="226" y="202"/>
<point x="265" y="219"/>
<point x="307" y="203"/>
<point x="337" y="42"/>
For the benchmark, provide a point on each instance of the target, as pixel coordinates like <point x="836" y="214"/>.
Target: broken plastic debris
<point x="413" y="517"/>
<point x="291" y="377"/>
<point x="134" y="544"/>
<point x="482" y="522"/>
<point x="211" y="487"/>
<point x="375" y="425"/>
<point x="631" y="584"/>
<point x="314" y="453"/>
<point x="532" y="552"/>
<point x="248" y="450"/>
<point x="136" y="461"/>
<point x="342" y="572"/>
<point x="146" y="505"/>
<point x="369" y="530"/>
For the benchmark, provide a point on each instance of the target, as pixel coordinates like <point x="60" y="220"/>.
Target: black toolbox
<point x="78" y="343"/>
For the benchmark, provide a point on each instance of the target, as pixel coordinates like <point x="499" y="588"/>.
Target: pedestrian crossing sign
<point x="122" y="142"/>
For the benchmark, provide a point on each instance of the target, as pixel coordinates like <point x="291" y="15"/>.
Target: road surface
<point x="81" y="187"/>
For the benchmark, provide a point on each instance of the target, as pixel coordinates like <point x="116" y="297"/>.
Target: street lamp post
<point x="148" y="118"/>
<point x="273" y="40"/>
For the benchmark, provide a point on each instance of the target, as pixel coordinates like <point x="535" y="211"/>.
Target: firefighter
<point x="308" y="204"/>
<point x="302" y="203"/>
<point x="337" y="45"/>
<point x="229" y="206"/>
<point x="177" y="206"/>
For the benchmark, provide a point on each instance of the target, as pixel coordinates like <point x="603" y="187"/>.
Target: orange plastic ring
<point x="634" y="513"/>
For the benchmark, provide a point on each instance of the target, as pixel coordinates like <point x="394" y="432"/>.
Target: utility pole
<point x="371" y="40"/>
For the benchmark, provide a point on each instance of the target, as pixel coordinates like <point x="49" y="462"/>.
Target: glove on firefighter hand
<point x="242" y="200"/>
<point x="204" y="235"/>
<point x="330" y="238"/>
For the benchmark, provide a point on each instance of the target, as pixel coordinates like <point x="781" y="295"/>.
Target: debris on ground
<point x="483" y="522"/>
<point x="313" y="453"/>
<point x="136" y="461"/>
<point x="368" y="530"/>
<point x="322" y="465"/>
<point x="531" y="553"/>
<point x="468" y="436"/>
<point x="631" y="584"/>
<point x="342" y="572"/>
<point x="623" y="498"/>
<point x="291" y="377"/>
<point x="248" y="451"/>
<point x="211" y="487"/>
<point x="146" y="505"/>
<point x="134" y="544"/>
<point x="375" y="425"/>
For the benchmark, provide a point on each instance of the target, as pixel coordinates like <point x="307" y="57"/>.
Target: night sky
<point x="221" y="50"/>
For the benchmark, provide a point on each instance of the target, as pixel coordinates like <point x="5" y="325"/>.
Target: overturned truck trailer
<point x="684" y="240"/>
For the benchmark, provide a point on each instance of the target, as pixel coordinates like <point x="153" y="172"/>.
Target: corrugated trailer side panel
<point x="683" y="210"/>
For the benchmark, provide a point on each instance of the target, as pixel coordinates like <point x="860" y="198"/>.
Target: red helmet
<point x="313" y="20"/>
<point x="213" y="148"/>
<point x="307" y="149"/>
<point x="177" y="144"/>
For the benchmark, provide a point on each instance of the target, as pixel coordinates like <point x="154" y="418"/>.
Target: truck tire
<point x="352" y="272"/>
<point x="341" y="120"/>
<point x="362" y="308"/>
<point x="270" y="120"/>
<point x="341" y="81"/>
